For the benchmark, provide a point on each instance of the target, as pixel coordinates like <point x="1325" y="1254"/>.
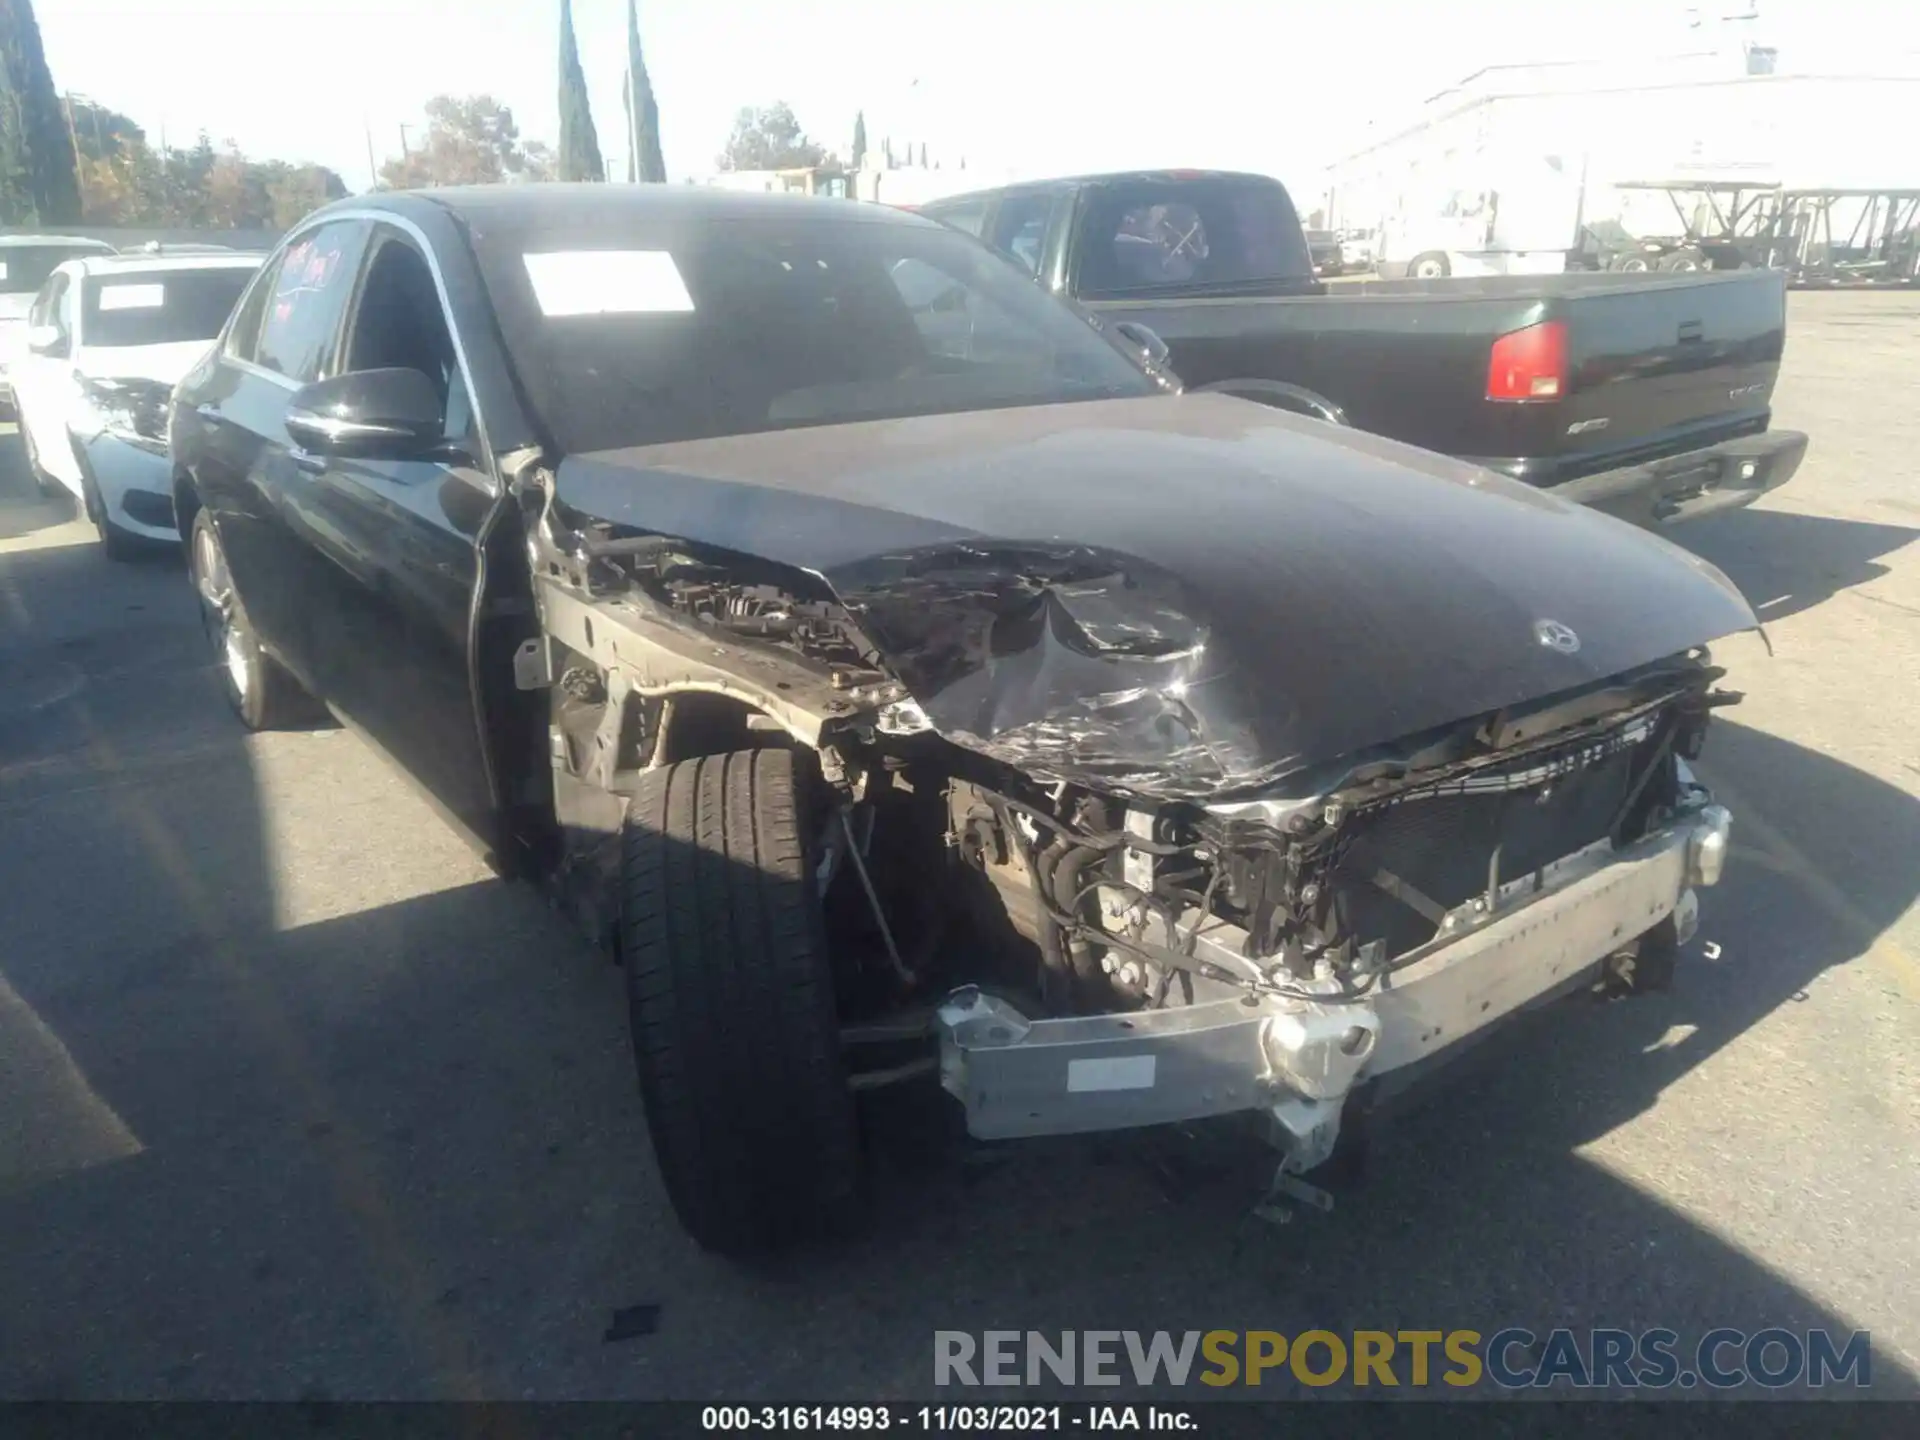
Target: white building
<point x="1725" y="114"/>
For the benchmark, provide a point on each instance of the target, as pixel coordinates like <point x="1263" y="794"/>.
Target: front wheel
<point x="261" y="693"/>
<point x="731" y="995"/>
<point x="1430" y="266"/>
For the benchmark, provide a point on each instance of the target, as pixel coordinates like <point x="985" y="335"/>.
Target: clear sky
<point x="1044" y="86"/>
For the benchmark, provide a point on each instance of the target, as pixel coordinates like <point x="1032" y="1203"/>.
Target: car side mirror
<point x="368" y="414"/>
<point x="48" y="340"/>
<point x="1152" y="348"/>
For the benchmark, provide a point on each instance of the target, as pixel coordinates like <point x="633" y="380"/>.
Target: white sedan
<point x="107" y="339"/>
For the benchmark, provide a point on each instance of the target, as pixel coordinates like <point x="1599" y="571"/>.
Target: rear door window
<point x="306" y="299"/>
<point x="1192" y="235"/>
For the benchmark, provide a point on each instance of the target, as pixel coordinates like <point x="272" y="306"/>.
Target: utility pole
<point x="373" y="166"/>
<point x="404" y="152"/>
<point x="73" y="139"/>
<point x="633" y="123"/>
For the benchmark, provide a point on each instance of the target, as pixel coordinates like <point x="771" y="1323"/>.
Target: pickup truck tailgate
<point x="1653" y="369"/>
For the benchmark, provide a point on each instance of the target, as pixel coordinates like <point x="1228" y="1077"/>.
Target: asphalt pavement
<point x="296" y="1101"/>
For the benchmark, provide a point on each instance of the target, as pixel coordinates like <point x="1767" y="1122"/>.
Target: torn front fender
<point x="1064" y="662"/>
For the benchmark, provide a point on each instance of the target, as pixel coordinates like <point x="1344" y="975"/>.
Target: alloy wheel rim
<point x="216" y="605"/>
<point x="236" y="662"/>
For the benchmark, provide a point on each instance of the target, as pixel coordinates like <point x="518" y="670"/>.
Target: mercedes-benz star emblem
<point x="1555" y="636"/>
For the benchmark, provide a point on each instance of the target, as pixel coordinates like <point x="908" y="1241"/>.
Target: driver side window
<point x="64" y="308"/>
<point x="398" y="322"/>
<point x="46" y="306"/>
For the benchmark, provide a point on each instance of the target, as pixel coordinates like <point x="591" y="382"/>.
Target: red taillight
<point x="1529" y="364"/>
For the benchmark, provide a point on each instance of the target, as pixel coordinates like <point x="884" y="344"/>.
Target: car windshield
<point x="734" y="324"/>
<point x="25" y="268"/>
<point x="159" y="307"/>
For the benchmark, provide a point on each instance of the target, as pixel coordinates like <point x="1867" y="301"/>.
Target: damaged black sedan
<point x="906" y="682"/>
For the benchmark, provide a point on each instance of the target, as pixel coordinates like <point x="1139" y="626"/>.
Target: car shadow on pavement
<point x="399" y="1153"/>
<point x="1785" y="562"/>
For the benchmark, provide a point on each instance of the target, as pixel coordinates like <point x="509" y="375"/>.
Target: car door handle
<point x="306" y="462"/>
<point x="207" y="410"/>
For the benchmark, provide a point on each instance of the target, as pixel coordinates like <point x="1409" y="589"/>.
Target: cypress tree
<point x="16" y="185"/>
<point x="859" y="138"/>
<point x="39" y="182"/>
<point x="644" y="161"/>
<point x="579" y="157"/>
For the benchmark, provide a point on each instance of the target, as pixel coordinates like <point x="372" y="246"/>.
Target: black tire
<point x="1434" y="263"/>
<point x="1632" y="264"/>
<point x="260" y="691"/>
<point x="1683" y="261"/>
<point x="731" y="998"/>
<point x="118" y="544"/>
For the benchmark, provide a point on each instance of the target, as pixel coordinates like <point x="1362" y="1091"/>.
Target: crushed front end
<point x="1271" y="954"/>
<point x="119" y="441"/>
<point x="1113" y="844"/>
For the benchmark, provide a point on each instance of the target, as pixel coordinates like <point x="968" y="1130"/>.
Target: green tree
<point x="296" y="191"/>
<point x="769" y="139"/>
<point x="859" y="138"/>
<point x="202" y="187"/>
<point x="39" y="181"/>
<point x="579" y="145"/>
<point x="16" y="187"/>
<point x="470" y="140"/>
<point x="644" y="162"/>
<point x="103" y="134"/>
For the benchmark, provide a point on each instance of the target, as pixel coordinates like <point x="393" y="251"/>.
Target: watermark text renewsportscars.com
<point x="1512" y="1358"/>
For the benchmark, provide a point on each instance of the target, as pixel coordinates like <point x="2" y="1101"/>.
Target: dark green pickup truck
<point x="1645" y="395"/>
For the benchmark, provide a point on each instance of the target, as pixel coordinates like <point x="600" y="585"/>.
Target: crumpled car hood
<point x="1183" y="597"/>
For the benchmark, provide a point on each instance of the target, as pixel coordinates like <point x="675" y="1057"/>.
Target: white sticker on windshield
<point x="132" y="297"/>
<point x="607" y="282"/>
<point x="3" y="269"/>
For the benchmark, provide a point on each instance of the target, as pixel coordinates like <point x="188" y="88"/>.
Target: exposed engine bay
<point x="1333" y="886"/>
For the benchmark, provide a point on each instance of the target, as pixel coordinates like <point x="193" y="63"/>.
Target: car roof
<point x="23" y="241"/>
<point x="1109" y="177"/>
<point x="550" y="207"/>
<point x="112" y="265"/>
